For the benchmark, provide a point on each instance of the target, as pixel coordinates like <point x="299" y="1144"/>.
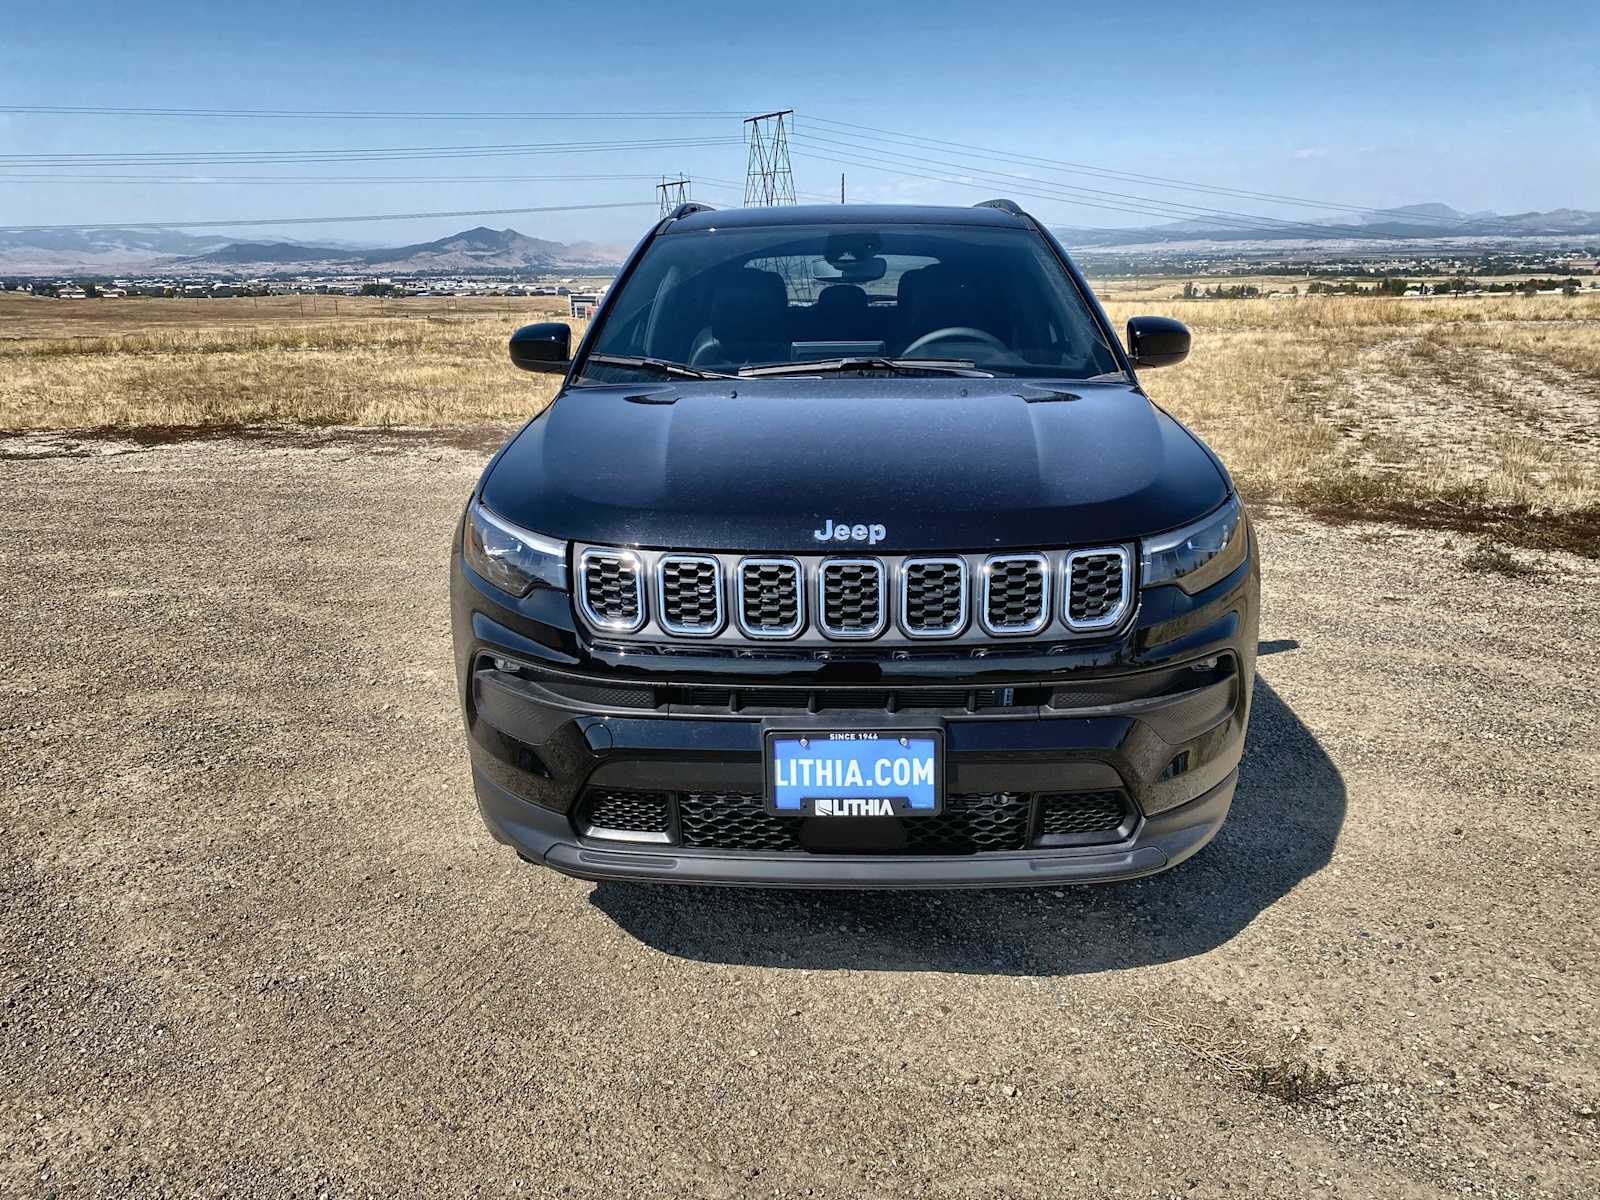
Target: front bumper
<point x="1163" y="841"/>
<point x="1154" y="716"/>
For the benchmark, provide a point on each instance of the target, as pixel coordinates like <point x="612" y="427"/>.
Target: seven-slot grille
<point x="933" y="596"/>
<point x="771" y="597"/>
<point x="965" y="597"/>
<point x="1097" y="583"/>
<point x="689" y="588"/>
<point x="611" y="589"/>
<point x="1015" y="593"/>
<point x="850" y="597"/>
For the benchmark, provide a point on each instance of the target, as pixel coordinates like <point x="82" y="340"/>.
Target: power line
<point x="730" y="185"/>
<point x="1154" y="205"/>
<point x="1074" y="168"/>
<point x="407" y="216"/>
<point x="986" y="182"/>
<point x="1241" y="223"/>
<point x="365" y="114"/>
<point x="376" y="154"/>
<point x="723" y="185"/>
<point x="1088" y="197"/>
<point x="300" y="180"/>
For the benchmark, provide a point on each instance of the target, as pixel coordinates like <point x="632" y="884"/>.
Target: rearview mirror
<point x="1157" y="341"/>
<point x="850" y="270"/>
<point x="546" y="346"/>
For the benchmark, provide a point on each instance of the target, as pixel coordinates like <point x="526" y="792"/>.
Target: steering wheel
<point x="954" y="333"/>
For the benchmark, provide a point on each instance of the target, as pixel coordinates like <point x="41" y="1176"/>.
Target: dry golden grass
<point x="391" y="367"/>
<point x="23" y="316"/>
<point x="1482" y="410"/>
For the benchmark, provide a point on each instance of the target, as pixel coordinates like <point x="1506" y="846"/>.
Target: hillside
<point x="1415" y="221"/>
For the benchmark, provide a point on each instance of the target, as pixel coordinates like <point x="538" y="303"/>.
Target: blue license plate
<point x="856" y="773"/>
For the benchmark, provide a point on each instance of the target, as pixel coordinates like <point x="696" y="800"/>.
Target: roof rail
<point x="689" y="208"/>
<point x="1005" y="206"/>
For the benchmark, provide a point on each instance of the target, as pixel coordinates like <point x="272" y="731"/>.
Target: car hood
<point x="941" y="464"/>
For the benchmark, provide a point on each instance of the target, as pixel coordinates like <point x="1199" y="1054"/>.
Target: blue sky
<point x="1478" y="105"/>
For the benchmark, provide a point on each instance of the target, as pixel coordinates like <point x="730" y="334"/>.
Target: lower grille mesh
<point x="972" y="823"/>
<point x="1062" y="813"/>
<point x="740" y="821"/>
<point x="733" y="821"/>
<point x="631" y="811"/>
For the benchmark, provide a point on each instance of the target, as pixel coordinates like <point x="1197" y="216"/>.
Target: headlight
<point x="510" y="558"/>
<point x="1198" y="555"/>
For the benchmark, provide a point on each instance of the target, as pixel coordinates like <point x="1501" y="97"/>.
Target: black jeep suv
<point x="851" y="554"/>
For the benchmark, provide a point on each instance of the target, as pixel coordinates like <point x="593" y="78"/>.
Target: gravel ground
<point x="256" y="942"/>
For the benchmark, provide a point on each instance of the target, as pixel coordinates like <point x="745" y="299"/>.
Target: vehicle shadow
<point x="1285" y="819"/>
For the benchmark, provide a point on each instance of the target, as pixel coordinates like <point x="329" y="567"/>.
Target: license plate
<point x="856" y="773"/>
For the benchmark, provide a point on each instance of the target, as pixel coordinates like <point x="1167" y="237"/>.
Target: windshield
<point x="730" y="300"/>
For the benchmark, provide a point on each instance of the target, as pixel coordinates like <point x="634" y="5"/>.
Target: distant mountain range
<point x="484" y="251"/>
<point x="472" y="251"/>
<point x="1431" y="221"/>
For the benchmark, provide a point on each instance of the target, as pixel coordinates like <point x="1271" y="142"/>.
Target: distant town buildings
<point x="586" y="288"/>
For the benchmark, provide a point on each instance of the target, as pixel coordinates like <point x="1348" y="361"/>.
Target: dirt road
<point x="255" y="941"/>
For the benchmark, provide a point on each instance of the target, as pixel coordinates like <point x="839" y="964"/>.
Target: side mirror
<point x="546" y="346"/>
<point x="1157" y="341"/>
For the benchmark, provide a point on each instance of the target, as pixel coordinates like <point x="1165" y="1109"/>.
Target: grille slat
<point x="771" y="600"/>
<point x="612" y="589"/>
<point x="933" y="596"/>
<point x="689" y="588"/>
<point x="1015" y="594"/>
<point x="1097" y="588"/>
<point x="852" y="602"/>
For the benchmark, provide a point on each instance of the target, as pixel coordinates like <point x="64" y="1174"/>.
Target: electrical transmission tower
<point x="769" y="179"/>
<point x="673" y="192"/>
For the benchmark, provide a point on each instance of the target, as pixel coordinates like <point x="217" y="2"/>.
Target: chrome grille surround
<point x="770" y="594"/>
<point x="677" y="574"/>
<point x="843" y="575"/>
<point x="911" y="627"/>
<point x="1011" y="581"/>
<point x="1099" y="584"/>
<point x="778" y="599"/>
<point x="614" y="578"/>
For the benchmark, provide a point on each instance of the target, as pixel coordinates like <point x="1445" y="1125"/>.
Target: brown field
<point x="1482" y="413"/>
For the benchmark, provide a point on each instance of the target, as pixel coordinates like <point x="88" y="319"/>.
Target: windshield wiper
<point x="661" y="366"/>
<point x="903" y="366"/>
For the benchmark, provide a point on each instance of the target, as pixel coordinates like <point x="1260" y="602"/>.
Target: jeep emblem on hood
<point x="841" y="532"/>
